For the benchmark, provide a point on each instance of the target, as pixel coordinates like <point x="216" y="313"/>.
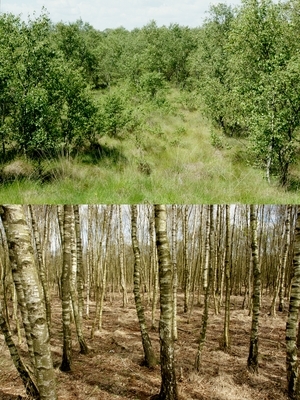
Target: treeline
<point x="64" y="86"/>
<point x="248" y="69"/>
<point x="50" y="77"/>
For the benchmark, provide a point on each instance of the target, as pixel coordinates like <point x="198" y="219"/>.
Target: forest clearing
<point x="157" y="114"/>
<point x="112" y="368"/>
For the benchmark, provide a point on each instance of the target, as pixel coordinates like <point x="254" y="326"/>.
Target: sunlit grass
<point x="180" y="166"/>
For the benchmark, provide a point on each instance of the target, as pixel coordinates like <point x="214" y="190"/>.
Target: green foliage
<point x="209" y="66"/>
<point x="216" y="140"/>
<point x="246" y="68"/>
<point x="78" y="117"/>
<point x="264" y="75"/>
<point x="47" y="102"/>
<point x="79" y="43"/>
<point x="114" y="115"/>
<point x="67" y="88"/>
<point x="151" y="83"/>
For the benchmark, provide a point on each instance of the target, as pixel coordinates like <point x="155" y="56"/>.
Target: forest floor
<point x="113" y="368"/>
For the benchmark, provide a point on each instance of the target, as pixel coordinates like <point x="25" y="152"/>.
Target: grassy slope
<point x="185" y="168"/>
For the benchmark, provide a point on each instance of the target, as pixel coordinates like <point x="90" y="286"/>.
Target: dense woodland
<point x="66" y="266"/>
<point x="64" y="87"/>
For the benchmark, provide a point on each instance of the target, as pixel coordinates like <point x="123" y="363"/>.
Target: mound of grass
<point x="17" y="170"/>
<point x="171" y="158"/>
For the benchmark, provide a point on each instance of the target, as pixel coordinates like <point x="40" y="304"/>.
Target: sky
<point x="130" y="14"/>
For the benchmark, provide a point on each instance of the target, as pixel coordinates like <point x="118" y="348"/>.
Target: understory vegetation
<point x="175" y="114"/>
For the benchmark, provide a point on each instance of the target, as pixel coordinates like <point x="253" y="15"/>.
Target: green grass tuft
<point x="174" y="157"/>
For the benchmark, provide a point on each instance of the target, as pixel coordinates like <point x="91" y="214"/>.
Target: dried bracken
<point x="112" y="370"/>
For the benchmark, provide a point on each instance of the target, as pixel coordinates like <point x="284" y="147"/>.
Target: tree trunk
<point x="79" y="264"/>
<point x="186" y="263"/>
<point x="41" y="267"/>
<point x="121" y="258"/>
<point x="217" y="272"/>
<point x="73" y="289"/>
<point x="103" y="280"/>
<point x="168" y="389"/>
<point x="101" y="272"/>
<point x="153" y="266"/>
<point x="66" y="271"/>
<point x="292" y="363"/>
<point x="226" y="336"/>
<point x="30" y="386"/>
<point x="252" y="362"/>
<point x="22" y="258"/>
<point x="284" y="258"/>
<point x="207" y="283"/>
<point x="23" y="308"/>
<point x="174" y="263"/>
<point x="150" y="359"/>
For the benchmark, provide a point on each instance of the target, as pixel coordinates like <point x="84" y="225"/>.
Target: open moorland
<point x="157" y="114"/>
<point x="183" y="160"/>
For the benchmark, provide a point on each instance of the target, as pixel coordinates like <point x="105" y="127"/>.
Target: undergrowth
<point x="175" y="156"/>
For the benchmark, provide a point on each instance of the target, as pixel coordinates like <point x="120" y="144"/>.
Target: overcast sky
<point x="102" y="14"/>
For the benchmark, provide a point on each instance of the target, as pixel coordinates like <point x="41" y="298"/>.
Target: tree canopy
<point x="64" y="86"/>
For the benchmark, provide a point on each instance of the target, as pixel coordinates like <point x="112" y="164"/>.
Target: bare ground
<point x="113" y="368"/>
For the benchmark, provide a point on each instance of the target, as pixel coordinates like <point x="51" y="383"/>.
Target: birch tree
<point x="79" y="263"/>
<point x="186" y="260"/>
<point x="292" y="362"/>
<point x="174" y="263"/>
<point x="252" y="362"/>
<point x="207" y="283"/>
<point x="168" y="390"/>
<point x="226" y="335"/>
<point x="150" y="360"/>
<point x="22" y="259"/>
<point x="27" y="379"/>
<point x="284" y="258"/>
<point x="121" y="258"/>
<point x="66" y="272"/>
<point x="41" y="267"/>
<point x="73" y="286"/>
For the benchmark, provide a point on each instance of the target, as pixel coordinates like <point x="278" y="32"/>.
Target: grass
<point x="171" y="159"/>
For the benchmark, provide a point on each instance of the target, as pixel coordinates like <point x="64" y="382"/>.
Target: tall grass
<point x="170" y="160"/>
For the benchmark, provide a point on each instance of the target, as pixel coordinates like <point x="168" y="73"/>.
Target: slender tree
<point x="153" y="264"/>
<point x="121" y="258"/>
<point x="284" y="258"/>
<point x="41" y="267"/>
<point x="65" y="282"/>
<point x="186" y="261"/>
<point x="292" y="362"/>
<point x="168" y="390"/>
<point x="79" y="263"/>
<point x="22" y="258"/>
<point x="101" y="271"/>
<point x="73" y="288"/>
<point x="27" y="379"/>
<point x="174" y="263"/>
<point x="207" y="283"/>
<point x="150" y="359"/>
<point x="252" y="362"/>
<point x="226" y="335"/>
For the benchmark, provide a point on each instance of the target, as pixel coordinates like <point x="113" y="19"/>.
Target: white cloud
<point x="104" y="14"/>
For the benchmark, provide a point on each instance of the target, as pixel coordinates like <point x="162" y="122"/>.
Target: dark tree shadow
<point x="99" y="152"/>
<point x="7" y="396"/>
